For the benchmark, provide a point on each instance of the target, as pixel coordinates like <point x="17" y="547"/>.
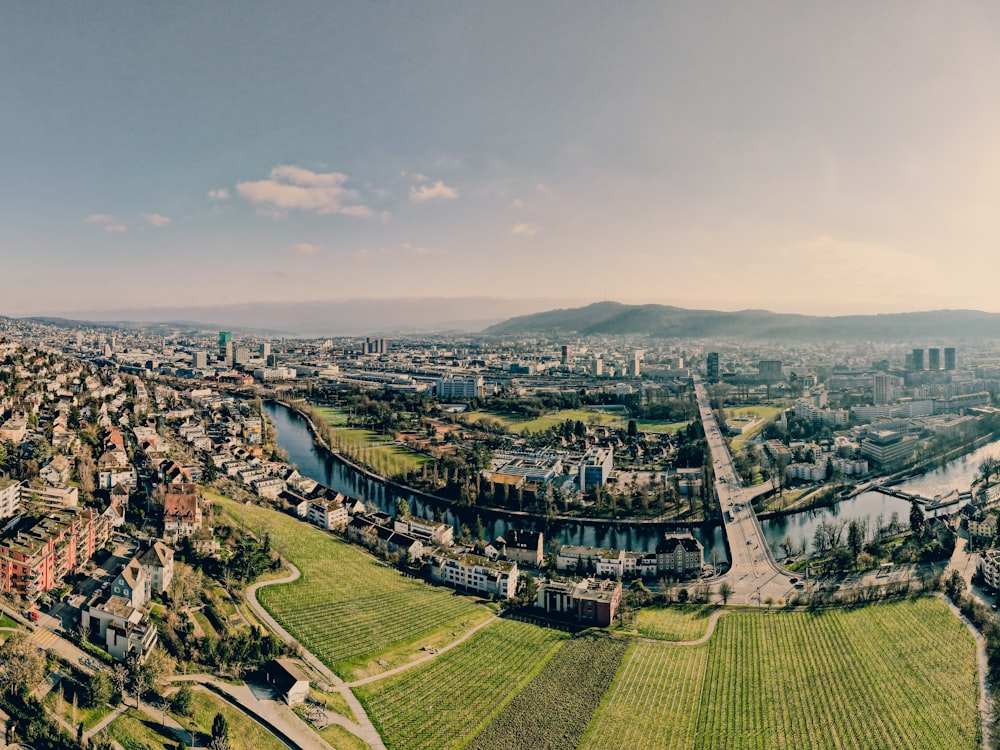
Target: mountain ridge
<point x="667" y="321"/>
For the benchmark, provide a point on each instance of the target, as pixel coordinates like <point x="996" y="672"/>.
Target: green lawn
<point x="447" y="701"/>
<point x="676" y="623"/>
<point x="60" y="701"/>
<point x="899" y="675"/>
<point x="377" y="451"/>
<point x="517" y="423"/>
<point x="347" y="608"/>
<point x="136" y="731"/>
<point x="663" y="427"/>
<point x="244" y="733"/>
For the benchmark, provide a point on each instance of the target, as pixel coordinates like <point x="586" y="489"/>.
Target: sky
<point x="823" y="158"/>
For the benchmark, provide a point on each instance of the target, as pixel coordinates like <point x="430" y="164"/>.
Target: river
<point x="294" y="436"/>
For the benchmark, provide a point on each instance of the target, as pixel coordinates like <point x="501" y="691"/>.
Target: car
<point x="749" y="541"/>
<point x="793" y="580"/>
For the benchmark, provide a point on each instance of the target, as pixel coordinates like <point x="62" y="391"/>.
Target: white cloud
<point x="525" y="230"/>
<point x="362" y="254"/>
<point x="290" y="187"/>
<point x="432" y="192"/>
<point x="106" y="222"/>
<point x="517" y="203"/>
<point x="219" y="195"/>
<point x="156" y="220"/>
<point x="305" y="248"/>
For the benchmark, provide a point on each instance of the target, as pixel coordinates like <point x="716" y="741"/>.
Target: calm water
<point x="293" y="435"/>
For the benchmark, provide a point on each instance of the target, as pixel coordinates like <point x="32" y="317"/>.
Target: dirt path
<point x="712" y="620"/>
<point x="422" y="659"/>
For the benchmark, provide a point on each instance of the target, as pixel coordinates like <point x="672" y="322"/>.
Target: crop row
<point x="899" y="675"/>
<point x="554" y="708"/>
<point x="445" y="702"/>
<point x="346" y="604"/>
<point x="653" y="701"/>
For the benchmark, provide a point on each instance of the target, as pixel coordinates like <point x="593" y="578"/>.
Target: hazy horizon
<point x="832" y="159"/>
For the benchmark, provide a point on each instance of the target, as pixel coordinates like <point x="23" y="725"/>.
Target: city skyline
<point x="818" y="160"/>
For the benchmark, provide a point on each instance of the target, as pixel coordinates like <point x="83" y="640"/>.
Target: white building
<point x="456" y="386"/>
<point x="475" y="573"/>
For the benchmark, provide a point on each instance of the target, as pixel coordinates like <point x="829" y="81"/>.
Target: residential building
<point x="10" y="497"/>
<point x="132" y="584"/>
<point x="422" y="528"/>
<point x="475" y="573"/>
<point x="158" y="562"/>
<point x="988" y="567"/>
<point x="712" y="367"/>
<point x="525" y="547"/>
<point x="679" y="555"/>
<point x="589" y="601"/>
<point x="181" y="510"/>
<point x="36" y="554"/>
<point x="327" y="514"/>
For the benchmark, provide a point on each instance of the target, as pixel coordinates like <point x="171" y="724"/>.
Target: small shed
<point x="288" y="680"/>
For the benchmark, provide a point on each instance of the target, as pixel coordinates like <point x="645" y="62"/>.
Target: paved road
<point x="754" y="574"/>
<point x="368" y="732"/>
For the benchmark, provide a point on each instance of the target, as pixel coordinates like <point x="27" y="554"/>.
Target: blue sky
<point x="820" y="158"/>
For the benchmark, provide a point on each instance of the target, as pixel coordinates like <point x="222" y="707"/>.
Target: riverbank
<point x="470" y="511"/>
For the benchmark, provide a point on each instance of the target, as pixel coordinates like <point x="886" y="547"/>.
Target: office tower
<point x="597" y="366"/>
<point x="769" y="370"/>
<point x="713" y="367"/>
<point x="934" y="359"/>
<point x="949" y="358"/>
<point x="883" y="388"/>
<point x="565" y="354"/>
<point x="199" y="360"/>
<point x="265" y="350"/>
<point x="224" y="338"/>
<point x="636" y="360"/>
<point x="918" y="360"/>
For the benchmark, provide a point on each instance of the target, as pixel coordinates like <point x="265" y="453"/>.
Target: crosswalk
<point x="43" y="638"/>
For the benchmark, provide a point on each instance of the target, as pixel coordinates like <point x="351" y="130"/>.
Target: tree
<point x="989" y="466"/>
<point x="183" y="700"/>
<point x="220" y="733"/>
<point x="632" y="429"/>
<point x="725" y="591"/>
<point x="916" y="517"/>
<point x="22" y="666"/>
<point x="402" y="508"/>
<point x="98" y="689"/>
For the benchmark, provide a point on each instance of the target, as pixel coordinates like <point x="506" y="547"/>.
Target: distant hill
<point x="615" y="318"/>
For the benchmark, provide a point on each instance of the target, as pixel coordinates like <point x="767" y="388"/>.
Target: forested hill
<point x="676" y="322"/>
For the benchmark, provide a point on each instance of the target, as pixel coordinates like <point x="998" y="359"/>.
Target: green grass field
<point x="515" y="423"/>
<point x="446" y="702"/>
<point x="765" y="412"/>
<point x="60" y="701"/>
<point x="677" y="623"/>
<point x="900" y="675"/>
<point x="377" y="451"/>
<point x="347" y="607"/>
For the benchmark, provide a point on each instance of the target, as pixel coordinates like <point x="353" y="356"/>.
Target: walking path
<point x="422" y="659"/>
<point x="712" y="620"/>
<point x="368" y="732"/>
